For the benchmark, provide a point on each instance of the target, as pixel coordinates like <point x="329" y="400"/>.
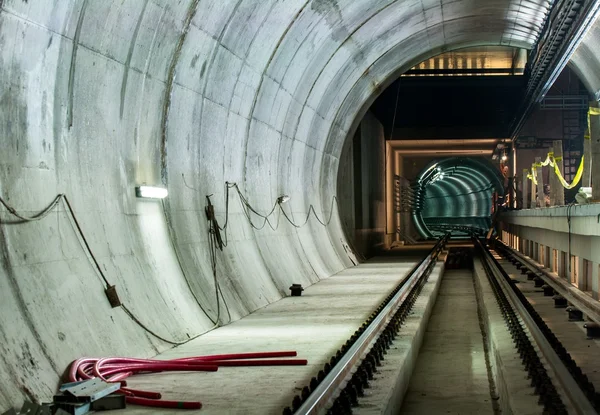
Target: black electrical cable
<point x="143" y="326"/>
<point x="84" y="240"/>
<point x="36" y="217"/>
<point x="89" y="251"/>
<point x="311" y="209"/>
<point x="247" y="207"/>
<point x="215" y="242"/>
<point x="182" y="267"/>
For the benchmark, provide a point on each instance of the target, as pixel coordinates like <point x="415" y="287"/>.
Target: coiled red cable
<point x="117" y="369"/>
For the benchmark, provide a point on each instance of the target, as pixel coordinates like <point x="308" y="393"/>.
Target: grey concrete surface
<point x="574" y="231"/>
<point x="316" y="325"/>
<point x="450" y="375"/>
<point x="512" y="390"/>
<point x="389" y="384"/>
<point x="97" y="97"/>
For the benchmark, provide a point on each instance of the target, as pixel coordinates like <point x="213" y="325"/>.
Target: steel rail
<point x="571" y="389"/>
<point x="328" y="390"/>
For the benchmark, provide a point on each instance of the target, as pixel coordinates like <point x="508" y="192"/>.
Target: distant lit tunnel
<point x="455" y="194"/>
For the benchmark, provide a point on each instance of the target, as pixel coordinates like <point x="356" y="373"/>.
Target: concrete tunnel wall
<point x="97" y="97"/>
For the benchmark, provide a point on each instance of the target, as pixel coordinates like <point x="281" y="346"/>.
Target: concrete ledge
<point x="585" y="219"/>
<point x="592" y="209"/>
<point x="589" y="306"/>
<point x="390" y="384"/>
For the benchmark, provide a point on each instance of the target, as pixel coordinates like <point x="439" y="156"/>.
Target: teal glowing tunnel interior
<point x="455" y="194"/>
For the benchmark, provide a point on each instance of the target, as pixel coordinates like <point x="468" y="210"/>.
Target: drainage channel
<point x="337" y="387"/>
<point x="452" y="371"/>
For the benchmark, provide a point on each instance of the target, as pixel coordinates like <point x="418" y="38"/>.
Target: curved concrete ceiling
<point x="586" y="60"/>
<point x="100" y="96"/>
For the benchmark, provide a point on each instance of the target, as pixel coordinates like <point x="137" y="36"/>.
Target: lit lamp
<point x="151" y="192"/>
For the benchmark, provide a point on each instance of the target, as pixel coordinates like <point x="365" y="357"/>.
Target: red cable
<point x="117" y="369"/>
<point x="294" y="362"/>
<point x="163" y="404"/>
<point x="256" y="355"/>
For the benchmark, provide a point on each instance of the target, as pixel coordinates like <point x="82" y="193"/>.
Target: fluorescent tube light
<point x="151" y="192"/>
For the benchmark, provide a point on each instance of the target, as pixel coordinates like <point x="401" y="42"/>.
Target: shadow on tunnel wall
<point x="361" y="187"/>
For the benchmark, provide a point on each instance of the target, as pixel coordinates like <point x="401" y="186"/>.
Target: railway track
<point x="515" y="349"/>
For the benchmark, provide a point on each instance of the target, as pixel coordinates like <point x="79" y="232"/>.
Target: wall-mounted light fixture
<point x="283" y="199"/>
<point x="504" y="157"/>
<point x="151" y="192"/>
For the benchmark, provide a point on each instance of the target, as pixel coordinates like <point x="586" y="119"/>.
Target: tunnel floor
<point x="315" y="325"/>
<point x="450" y="376"/>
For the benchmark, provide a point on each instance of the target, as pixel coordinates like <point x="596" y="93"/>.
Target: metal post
<point x="586" y="178"/>
<point x="515" y="204"/>
<point x="559" y="195"/>
<point x="595" y="155"/>
<point x="533" y="188"/>
<point x="540" y="184"/>
<point x="525" y="192"/>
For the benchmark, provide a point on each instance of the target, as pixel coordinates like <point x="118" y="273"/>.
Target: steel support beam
<point x="566" y="25"/>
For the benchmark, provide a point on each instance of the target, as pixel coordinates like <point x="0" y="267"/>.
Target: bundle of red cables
<point x="117" y="369"/>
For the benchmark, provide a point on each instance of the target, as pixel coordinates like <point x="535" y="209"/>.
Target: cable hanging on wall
<point x="218" y="235"/>
<point x="277" y="207"/>
<point x="110" y="290"/>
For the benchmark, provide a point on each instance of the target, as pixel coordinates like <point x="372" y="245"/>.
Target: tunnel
<point x="240" y="109"/>
<point x="456" y="193"/>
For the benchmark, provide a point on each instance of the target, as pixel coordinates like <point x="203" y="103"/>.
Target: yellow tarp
<point x="551" y="161"/>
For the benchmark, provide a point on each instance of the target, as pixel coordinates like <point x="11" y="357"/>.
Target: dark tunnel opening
<point x="434" y="153"/>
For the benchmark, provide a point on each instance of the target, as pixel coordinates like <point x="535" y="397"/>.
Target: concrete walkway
<point x="451" y="375"/>
<point x="315" y="325"/>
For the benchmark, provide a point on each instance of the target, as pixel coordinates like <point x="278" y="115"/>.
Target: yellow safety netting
<point x="551" y="161"/>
